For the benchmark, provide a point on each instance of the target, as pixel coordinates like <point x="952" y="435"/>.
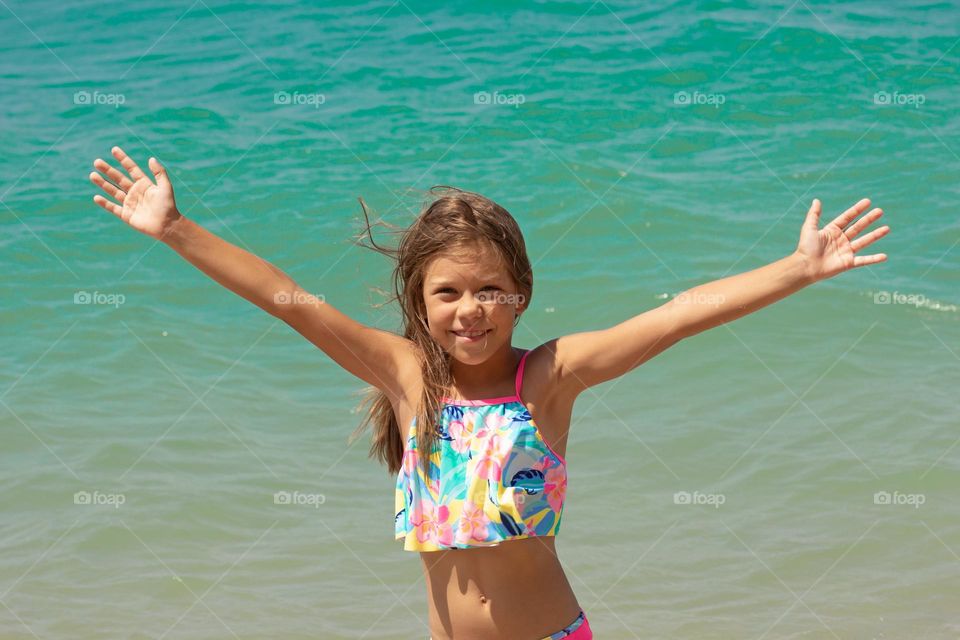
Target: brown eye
<point x="490" y="296"/>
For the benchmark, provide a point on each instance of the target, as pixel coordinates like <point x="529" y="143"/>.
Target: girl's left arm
<point x="589" y="358"/>
<point x="820" y="254"/>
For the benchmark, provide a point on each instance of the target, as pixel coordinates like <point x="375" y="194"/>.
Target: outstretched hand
<point x="146" y="206"/>
<point x="831" y="250"/>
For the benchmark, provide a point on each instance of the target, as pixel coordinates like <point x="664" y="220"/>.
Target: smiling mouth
<point x="470" y="334"/>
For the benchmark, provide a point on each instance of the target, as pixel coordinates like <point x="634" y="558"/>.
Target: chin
<point x="472" y="359"/>
<point x="471" y="352"/>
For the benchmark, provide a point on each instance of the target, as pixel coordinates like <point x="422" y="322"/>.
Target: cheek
<point x="438" y="315"/>
<point x="504" y="311"/>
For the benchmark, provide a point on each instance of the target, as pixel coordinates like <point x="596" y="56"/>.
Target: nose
<point x="470" y="310"/>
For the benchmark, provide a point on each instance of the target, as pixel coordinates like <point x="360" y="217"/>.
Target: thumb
<point x="160" y="174"/>
<point x="813" y="215"/>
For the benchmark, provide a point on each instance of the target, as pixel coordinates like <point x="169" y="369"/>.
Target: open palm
<point x="832" y="250"/>
<point x="146" y="206"/>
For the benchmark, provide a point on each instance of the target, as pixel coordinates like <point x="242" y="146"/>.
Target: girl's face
<point x="467" y="292"/>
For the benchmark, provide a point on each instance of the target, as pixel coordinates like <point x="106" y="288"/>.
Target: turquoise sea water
<point x="643" y="150"/>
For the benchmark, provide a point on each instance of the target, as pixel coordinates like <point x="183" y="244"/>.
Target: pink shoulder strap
<point x="523" y="361"/>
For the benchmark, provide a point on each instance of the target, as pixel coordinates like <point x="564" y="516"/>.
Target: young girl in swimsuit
<point x="493" y="418"/>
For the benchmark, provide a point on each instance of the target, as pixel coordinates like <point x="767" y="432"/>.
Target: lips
<point x="471" y="334"/>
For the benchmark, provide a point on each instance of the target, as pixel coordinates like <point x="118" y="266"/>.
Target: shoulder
<point x="542" y="377"/>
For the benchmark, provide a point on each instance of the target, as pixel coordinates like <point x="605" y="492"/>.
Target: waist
<point x="517" y="589"/>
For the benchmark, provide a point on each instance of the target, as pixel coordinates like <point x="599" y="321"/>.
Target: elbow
<point x="688" y="319"/>
<point x="282" y="302"/>
<point x="290" y="302"/>
<point x="681" y="324"/>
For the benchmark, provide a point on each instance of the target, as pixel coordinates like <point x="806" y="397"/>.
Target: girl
<point x="494" y="418"/>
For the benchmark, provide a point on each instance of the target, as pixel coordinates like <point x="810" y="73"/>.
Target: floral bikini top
<point x="492" y="478"/>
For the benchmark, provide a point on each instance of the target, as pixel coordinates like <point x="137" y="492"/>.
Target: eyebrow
<point x="447" y="283"/>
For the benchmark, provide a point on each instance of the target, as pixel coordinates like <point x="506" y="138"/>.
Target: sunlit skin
<point x="485" y="592"/>
<point x="470" y="289"/>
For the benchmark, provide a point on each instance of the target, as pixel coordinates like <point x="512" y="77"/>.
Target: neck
<point x="481" y="378"/>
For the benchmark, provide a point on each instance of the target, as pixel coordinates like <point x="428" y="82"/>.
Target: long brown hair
<point x="452" y="218"/>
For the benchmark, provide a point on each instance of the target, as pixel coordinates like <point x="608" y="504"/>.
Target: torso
<point x="516" y="589"/>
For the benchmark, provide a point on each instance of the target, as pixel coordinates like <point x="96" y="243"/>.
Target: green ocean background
<point x="793" y="474"/>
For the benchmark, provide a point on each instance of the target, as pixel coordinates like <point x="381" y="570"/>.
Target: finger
<point x="813" y="214"/>
<point x="112" y="207"/>
<point x="863" y="223"/>
<point x="844" y="218"/>
<point x="861" y="261"/>
<point x="870" y="238"/>
<point x="111" y="189"/>
<point x="135" y="171"/>
<point x="114" y="175"/>
<point x="163" y="181"/>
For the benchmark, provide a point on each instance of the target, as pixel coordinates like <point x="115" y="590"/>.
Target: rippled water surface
<point x="642" y="149"/>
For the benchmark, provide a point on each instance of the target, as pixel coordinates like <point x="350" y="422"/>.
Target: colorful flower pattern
<point x="492" y="478"/>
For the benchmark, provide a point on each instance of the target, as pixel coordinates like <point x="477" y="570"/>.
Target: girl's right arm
<point x="378" y="357"/>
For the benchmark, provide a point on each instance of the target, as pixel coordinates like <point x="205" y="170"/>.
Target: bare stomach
<point x="515" y="590"/>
